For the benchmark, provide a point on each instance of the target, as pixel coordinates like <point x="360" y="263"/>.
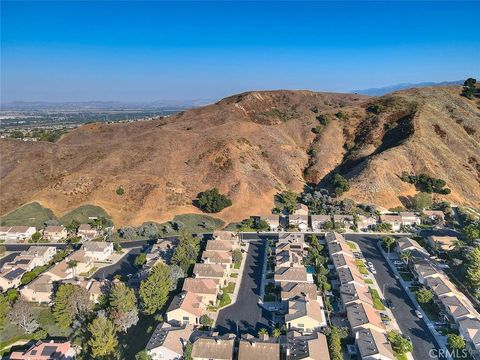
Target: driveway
<point x="409" y="323"/>
<point x="246" y="313"/>
<point x="123" y="267"/>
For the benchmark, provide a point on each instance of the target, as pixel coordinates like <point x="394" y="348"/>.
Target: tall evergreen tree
<point x="154" y="289"/>
<point x="103" y="339"/>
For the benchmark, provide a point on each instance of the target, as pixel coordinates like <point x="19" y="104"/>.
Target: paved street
<point x="410" y="324"/>
<point x="123" y="267"/>
<point x="246" y="312"/>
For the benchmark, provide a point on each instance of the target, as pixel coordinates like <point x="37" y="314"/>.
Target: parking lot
<point x="402" y="309"/>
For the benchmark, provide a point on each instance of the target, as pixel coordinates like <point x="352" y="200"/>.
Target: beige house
<point x="10" y="277"/>
<point x="98" y="250"/>
<point x="217" y="257"/>
<point x="36" y="256"/>
<point x="62" y="270"/>
<point x="300" y="209"/>
<point x="366" y="223"/>
<point x="61" y="350"/>
<point x="306" y="347"/>
<point x="469" y="329"/>
<point x="288" y="258"/>
<point x="185" y="308"/>
<point x="55" y="233"/>
<point x="213" y="348"/>
<point x="213" y="271"/>
<point x="39" y="290"/>
<point x="290" y="290"/>
<point x="319" y="221"/>
<point x="256" y="349"/>
<point x="373" y="345"/>
<point x="221" y="245"/>
<point x="225" y="235"/>
<point x="442" y="243"/>
<point x="305" y="315"/>
<point x="168" y="342"/>
<point x="290" y="274"/>
<point x="86" y="232"/>
<point x="300" y="221"/>
<point x="208" y="289"/>
<point x="345" y="220"/>
<point x="13" y="234"/>
<point x="362" y="315"/>
<point x="354" y="293"/>
<point x="409" y="218"/>
<point x="272" y="220"/>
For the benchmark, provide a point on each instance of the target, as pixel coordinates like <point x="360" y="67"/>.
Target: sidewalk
<point x="441" y="340"/>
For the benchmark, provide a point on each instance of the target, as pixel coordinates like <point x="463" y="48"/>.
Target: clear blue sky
<point x="114" y="50"/>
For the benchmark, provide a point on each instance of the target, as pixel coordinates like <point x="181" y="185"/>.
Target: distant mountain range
<point x="391" y="88"/>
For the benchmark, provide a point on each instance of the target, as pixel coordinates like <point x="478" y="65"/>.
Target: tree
<point x="142" y="355"/>
<point x="187" y="352"/>
<point x="383" y="227"/>
<point x="120" y="191"/>
<point x="4" y="306"/>
<point x="469" y="88"/>
<point x="471" y="232"/>
<point x="12" y="295"/>
<point x="262" y="332"/>
<point x="456" y="342"/>
<point x="422" y="201"/>
<point x="473" y="269"/>
<point x="286" y="201"/>
<point x="340" y="184"/>
<point x="389" y="242"/>
<point x="335" y="344"/>
<point x="406" y="256"/>
<point x="123" y="304"/>
<point x="186" y="252"/>
<point x="276" y="332"/>
<point x="424" y="296"/>
<point x="400" y="344"/>
<point x="36" y="236"/>
<point x="140" y="260"/>
<point x="103" y="339"/>
<point x="211" y="201"/>
<point x="71" y="302"/>
<point x="21" y="315"/>
<point x="176" y="273"/>
<point x="73" y="226"/>
<point x="237" y="257"/>
<point x="72" y="264"/>
<point x="154" y="289"/>
<point x="206" y="320"/>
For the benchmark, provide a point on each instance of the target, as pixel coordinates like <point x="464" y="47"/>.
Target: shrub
<point x="211" y="201"/>
<point x="340" y="184"/>
<point x="375" y="109"/>
<point x="120" y="191"/>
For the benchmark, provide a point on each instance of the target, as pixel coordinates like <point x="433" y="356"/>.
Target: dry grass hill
<point x="251" y="146"/>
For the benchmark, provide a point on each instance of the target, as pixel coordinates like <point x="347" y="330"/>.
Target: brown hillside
<point x="250" y="146"/>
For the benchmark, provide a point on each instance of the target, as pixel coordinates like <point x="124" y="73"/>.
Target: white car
<point x="370" y="264"/>
<point x="373" y="270"/>
<point x="419" y="314"/>
<point x="398" y="263"/>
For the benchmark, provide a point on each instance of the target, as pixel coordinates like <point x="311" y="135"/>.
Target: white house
<point x="98" y="250"/>
<point x="16" y="233"/>
<point x="301" y="221"/>
<point x="55" y="233"/>
<point x="272" y="220"/>
<point x="318" y="221"/>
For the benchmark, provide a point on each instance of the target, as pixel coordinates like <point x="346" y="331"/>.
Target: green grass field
<point x="82" y="214"/>
<point x="377" y="302"/>
<point x="198" y="223"/>
<point x="32" y="214"/>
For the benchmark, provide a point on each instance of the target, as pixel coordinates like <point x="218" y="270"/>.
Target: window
<point x="301" y="325"/>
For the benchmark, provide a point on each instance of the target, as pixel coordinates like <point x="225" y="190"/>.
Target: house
<point x="334" y="237"/>
<point x="440" y="286"/>
<point x="256" y="349"/>
<point x="344" y="220"/>
<point x="319" y="221"/>
<point x="94" y="287"/>
<point x="348" y="275"/>
<point x="394" y="220"/>
<point x="362" y="315"/>
<point x="455" y="308"/>
<point x="354" y="293"/>
<point x="469" y="329"/>
<point x="86" y="232"/>
<point x="434" y="217"/>
<point x="43" y="350"/>
<point x="290" y="290"/>
<point x="39" y="290"/>
<point x="37" y="255"/>
<point x="342" y="248"/>
<point x="221" y="245"/>
<point x="291" y="274"/>
<point x="217" y="257"/>
<point x="62" y="270"/>
<point x="300" y="221"/>
<point x="206" y="288"/>
<point x="306" y="347"/>
<point x="340" y="260"/>
<point x="442" y="243"/>
<point x="98" y="250"/>
<point x="288" y="258"/>
<point x="300" y="209"/>
<point x="373" y="344"/>
<point x="185" y="308"/>
<point x="225" y="235"/>
<point x="214" y="271"/>
<point x="365" y="223"/>
<point x="55" y="233"/>
<point x="168" y="342"/>
<point x="213" y="348"/>
<point x="406" y="243"/>
<point x="423" y="269"/>
<point x="291" y="238"/>
<point x="272" y="220"/>
<point x="10" y="277"/>
<point x="305" y="315"/>
<point x="16" y="233"/>
<point x="409" y="218"/>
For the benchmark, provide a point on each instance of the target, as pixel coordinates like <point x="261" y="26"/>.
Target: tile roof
<point x="290" y="290"/>
<point x="220" y="245"/>
<point x="371" y="343"/>
<point x="353" y="292"/>
<point x="209" y="270"/>
<point x="213" y="348"/>
<point x="471" y="326"/>
<point x="290" y="274"/>
<point x="96" y="246"/>
<point x="187" y="301"/>
<point x="173" y="338"/>
<point x="313" y="346"/>
<point x="201" y="285"/>
<point x="454" y="305"/>
<point x="300" y="307"/>
<point x="221" y="257"/>
<point x="359" y="314"/>
<point x="254" y="349"/>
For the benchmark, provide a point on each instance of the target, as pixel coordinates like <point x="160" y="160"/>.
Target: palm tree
<point x="262" y="332"/>
<point x="458" y="245"/>
<point x="276" y="332"/>
<point x="389" y="242"/>
<point x="406" y="256"/>
<point x="72" y="264"/>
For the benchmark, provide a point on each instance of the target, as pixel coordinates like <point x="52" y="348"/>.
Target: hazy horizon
<point x="186" y="51"/>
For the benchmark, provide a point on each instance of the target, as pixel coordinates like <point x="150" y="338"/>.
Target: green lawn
<point x="368" y="281"/>
<point x="234" y="275"/>
<point x="431" y="310"/>
<point x="32" y="214"/>
<point x="377" y="301"/>
<point x="352" y="245"/>
<point x="224" y="301"/>
<point x="82" y="214"/>
<point x="229" y="289"/>
<point x="198" y="223"/>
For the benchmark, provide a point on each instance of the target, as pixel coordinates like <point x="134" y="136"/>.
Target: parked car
<point x="373" y="270"/>
<point x="370" y="264"/>
<point x="419" y="314"/>
<point x="396" y="276"/>
<point x="398" y="263"/>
